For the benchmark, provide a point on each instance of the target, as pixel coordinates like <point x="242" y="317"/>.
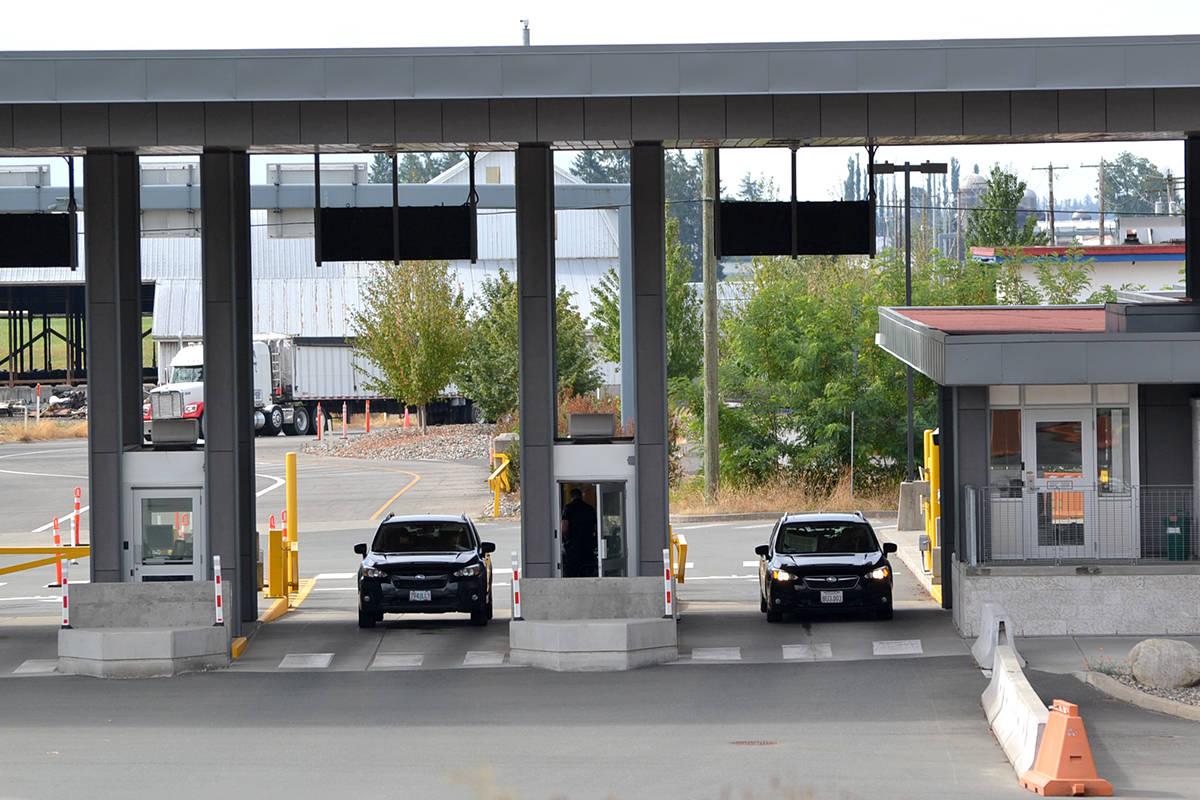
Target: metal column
<point x="538" y="363"/>
<point x="114" y="344"/>
<point x="228" y="390"/>
<point x="1191" y="200"/>
<point x="628" y="343"/>
<point x="648" y="203"/>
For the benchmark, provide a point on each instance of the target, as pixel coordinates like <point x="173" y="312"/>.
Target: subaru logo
<point x="420" y="577"/>
<point x="831" y="579"/>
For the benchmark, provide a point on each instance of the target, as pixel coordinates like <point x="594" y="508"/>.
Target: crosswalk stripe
<point x="716" y="654"/>
<point x="306" y="661"/>
<point x="397" y="660"/>
<point x="37" y="666"/>
<point x="807" y="652"/>
<point x="897" y="647"/>
<point x="754" y="563"/>
<point x="335" y="576"/>
<point x="483" y="658"/>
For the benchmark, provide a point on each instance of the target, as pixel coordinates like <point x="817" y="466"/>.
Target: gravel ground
<point x="438" y="443"/>
<point x="1189" y="695"/>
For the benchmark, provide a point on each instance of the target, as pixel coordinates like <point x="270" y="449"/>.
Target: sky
<point x="224" y="24"/>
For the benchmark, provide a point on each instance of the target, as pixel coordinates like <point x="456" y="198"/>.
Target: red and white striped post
<point x="58" y="572"/>
<point x="75" y="529"/>
<point x="38" y="408"/>
<point x="220" y="611"/>
<point x="320" y="421"/>
<point x="66" y="607"/>
<point x="368" y="416"/>
<point x="283" y="522"/>
<point x="516" y="587"/>
<point x="343" y="419"/>
<point x="670" y="610"/>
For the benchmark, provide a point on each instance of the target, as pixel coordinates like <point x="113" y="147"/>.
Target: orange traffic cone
<point x="406" y="416"/>
<point x="1064" y="765"/>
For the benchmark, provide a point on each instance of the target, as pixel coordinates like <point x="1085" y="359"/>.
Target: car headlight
<point x="879" y="573"/>
<point x="372" y="572"/>
<point x="191" y="408"/>
<point x="782" y="575"/>
<point x="469" y="571"/>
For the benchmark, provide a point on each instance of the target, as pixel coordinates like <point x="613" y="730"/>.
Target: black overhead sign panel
<point x="405" y="233"/>
<point x="36" y="240"/>
<point x="819" y="228"/>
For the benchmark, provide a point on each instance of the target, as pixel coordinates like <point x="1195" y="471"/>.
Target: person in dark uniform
<point x="579" y="537"/>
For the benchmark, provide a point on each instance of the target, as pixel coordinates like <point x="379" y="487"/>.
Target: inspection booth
<point x="1070" y="439"/>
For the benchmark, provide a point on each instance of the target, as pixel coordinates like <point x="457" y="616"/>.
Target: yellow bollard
<point x="276" y="583"/>
<point x="293" y="515"/>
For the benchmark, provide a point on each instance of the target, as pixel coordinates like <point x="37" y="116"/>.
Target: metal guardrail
<point x="499" y="481"/>
<point x="1079" y="525"/>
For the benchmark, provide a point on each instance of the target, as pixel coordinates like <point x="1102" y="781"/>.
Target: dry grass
<point x="16" y="430"/>
<point x="775" y="498"/>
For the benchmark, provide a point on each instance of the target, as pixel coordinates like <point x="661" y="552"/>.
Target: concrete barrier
<point x="910" y="516"/>
<point x="592" y="624"/>
<point x="1015" y="712"/>
<point x="995" y="620"/>
<point x="140" y="630"/>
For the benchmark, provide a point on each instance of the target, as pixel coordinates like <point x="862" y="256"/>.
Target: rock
<point x="1165" y="663"/>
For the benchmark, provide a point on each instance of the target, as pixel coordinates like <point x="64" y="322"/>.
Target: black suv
<point x="823" y="562"/>
<point x="425" y="564"/>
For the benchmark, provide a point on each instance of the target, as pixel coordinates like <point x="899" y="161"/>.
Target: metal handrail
<point x="499" y="481"/>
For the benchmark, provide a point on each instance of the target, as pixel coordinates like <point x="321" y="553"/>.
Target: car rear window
<point x="825" y="537"/>
<point x="423" y="537"/>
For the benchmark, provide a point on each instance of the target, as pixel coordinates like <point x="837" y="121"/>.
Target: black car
<point x="425" y="564"/>
<point x="824" y="562"/>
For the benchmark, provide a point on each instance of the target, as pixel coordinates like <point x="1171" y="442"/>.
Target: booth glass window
<point x="1112" y="450"/>
<point x="1004" y="452"/>
<point x="167" y="530"/>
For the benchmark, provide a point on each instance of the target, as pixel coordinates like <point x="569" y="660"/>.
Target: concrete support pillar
<point x="1191" y="222"/>
<point x="114" y="344"/>
<point x="648" y="205"/>
<point x="536" y="334"/>
<point x="228" y="389"/>
<point x="628" y="343"/>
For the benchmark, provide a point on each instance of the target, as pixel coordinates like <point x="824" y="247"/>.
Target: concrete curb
<point x="1106" y="684"/>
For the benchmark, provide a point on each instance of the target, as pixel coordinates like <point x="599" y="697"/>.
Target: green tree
<point x="413" y="327"/>
<point x="993" y="223"/>
<point x="489" y="370"/>
<point x="761" y="188"/>
<point x="601" y="166"/>
<point x="1132" y="184"/>
<point x="685" y="339"/>
<point x="411" y="167"/>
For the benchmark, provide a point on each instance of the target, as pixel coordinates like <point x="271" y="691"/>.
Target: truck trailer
<point x="290" y="376"/>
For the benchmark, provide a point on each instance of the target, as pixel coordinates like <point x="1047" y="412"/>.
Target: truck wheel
<point x="274" y="422"/>
<point x="300" y="424"/>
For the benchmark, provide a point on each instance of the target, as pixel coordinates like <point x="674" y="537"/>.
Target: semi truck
<point x="290" y="376"/>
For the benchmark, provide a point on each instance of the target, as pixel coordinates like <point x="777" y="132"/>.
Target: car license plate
<point x="418" y="595"/>
<point x="831" y="597"/>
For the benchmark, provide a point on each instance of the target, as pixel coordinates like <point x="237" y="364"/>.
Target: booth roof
<point x="1064" y="319"/>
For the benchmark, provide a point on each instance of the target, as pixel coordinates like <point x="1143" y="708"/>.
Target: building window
<point x="1112" y="450"/>
<point x="1004" y="452"/>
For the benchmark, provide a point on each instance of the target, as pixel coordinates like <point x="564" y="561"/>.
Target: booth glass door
<point x="167" y="539"/>
<point x="613" y="549"/>
<point x="1060" y="452"/>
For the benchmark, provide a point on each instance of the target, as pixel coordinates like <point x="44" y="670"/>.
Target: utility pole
<point x="525" y="32"/>
<point x="712" y="463"/>
<point x="1101" y="166"/>
<point x="1049" y="168"/>
<point x="885" y="169"/>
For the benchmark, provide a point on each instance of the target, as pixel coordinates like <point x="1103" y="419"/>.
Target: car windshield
<point x="825" y="537"/>
<point x="423" y="537"/>
<point x="187" y="374"/>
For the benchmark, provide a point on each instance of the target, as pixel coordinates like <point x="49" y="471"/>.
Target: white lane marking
<point x="44" y="474"/>
<point x="501" y="584"/>
<point x="30" y="453"/>
<point x="45" y="598"/>
<point x="690" y="578"/>
<point x="278" y="482"/>
<point x="483" y="658"/>
<point x="397" y="660"/>
<point x="500" y="571"/>
<point x="37" y="666"/>
<point x="2" y="583"/>
<point x="63" y="521"/>
<point x="335" y="589"/>
<point x="897" y="647"/>
<point x="807" y="652"/>
<point x="306" y="661"/>
<point x="698" y="526"/>
<point x="334" y="576"/>
<point x="716" y="654"/>
<point x="754" y="527"/>
<point x="754" y="563"/>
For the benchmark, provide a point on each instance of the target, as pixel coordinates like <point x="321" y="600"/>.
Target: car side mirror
<point x="487" y="547"/>
<point x="890" y="547"/>
<point x="361" y="549"/>
<point x="762" y="550"/>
